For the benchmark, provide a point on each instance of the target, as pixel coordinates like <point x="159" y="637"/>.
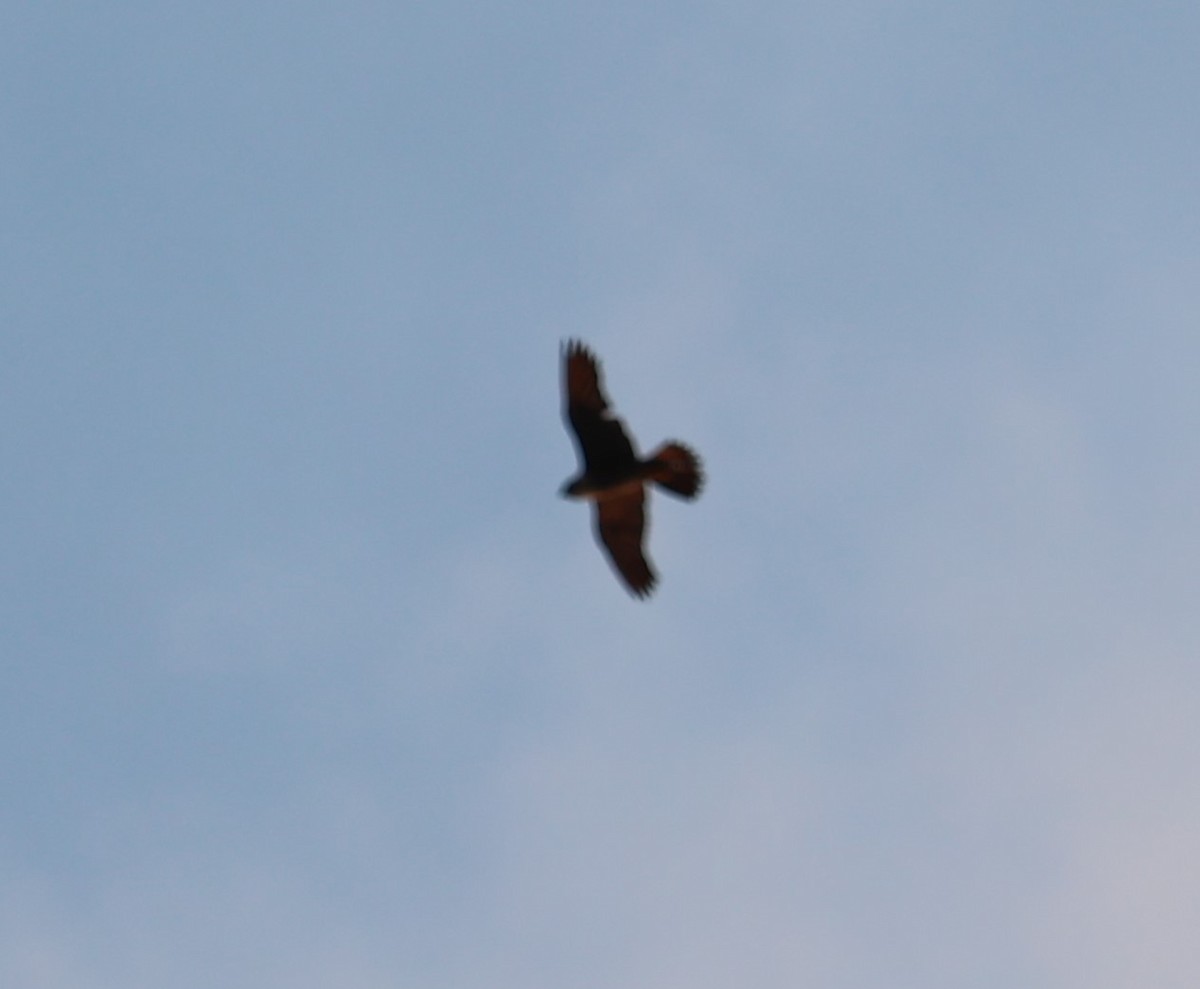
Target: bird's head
<point x="574" y="487"/>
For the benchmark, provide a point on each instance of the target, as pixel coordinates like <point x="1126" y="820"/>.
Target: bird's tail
<point x="677" y="468"/>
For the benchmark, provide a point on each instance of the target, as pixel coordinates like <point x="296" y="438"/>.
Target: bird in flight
<point x="612" y="475"/>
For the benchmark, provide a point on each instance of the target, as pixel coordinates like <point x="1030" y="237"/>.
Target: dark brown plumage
<point x="611" y="473"/>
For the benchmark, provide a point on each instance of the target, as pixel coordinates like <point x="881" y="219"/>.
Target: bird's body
<point x="612" y="475"/>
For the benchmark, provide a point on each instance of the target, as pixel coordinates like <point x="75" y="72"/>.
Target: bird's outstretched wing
<point x="602" y="440"/>
<point x="620" y="524"/>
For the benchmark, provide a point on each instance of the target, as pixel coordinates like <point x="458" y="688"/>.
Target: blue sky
<point x="309" y="679"/>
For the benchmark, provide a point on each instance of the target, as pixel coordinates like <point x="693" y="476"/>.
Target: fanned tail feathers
<point x="677" y="468"/>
